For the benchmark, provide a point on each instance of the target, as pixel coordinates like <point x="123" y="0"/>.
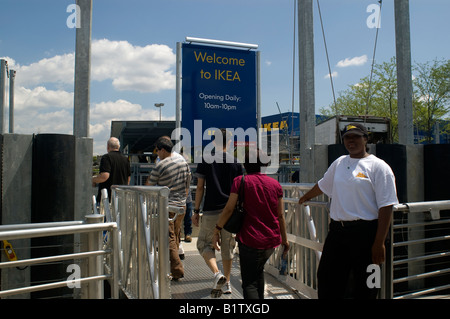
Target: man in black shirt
<point x="217" y="174"/>
<point x="114" y="169"/>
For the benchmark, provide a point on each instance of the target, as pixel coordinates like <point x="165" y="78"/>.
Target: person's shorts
<point x="204" y="241"/>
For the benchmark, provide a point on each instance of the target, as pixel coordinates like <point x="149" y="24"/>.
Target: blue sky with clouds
<point x="134" y="46"/>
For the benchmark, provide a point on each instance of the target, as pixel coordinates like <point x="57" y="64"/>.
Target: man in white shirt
<point x="362" y="191"/>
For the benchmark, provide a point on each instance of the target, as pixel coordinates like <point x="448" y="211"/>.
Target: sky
<point x="134" y="53"/>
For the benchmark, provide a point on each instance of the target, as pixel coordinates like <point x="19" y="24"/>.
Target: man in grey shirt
<point x="173" y="172"/>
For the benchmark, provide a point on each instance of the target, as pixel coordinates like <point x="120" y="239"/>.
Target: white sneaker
<point x="227" y="288"/>
<point x="219" y="281"/>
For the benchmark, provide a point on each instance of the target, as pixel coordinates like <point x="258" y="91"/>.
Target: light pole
<point x="160" y="105"/>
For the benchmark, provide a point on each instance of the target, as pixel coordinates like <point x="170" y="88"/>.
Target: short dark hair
<point x="252" y="164"/>
<point x="224" y="134"/>
<point x="164" y="143"/>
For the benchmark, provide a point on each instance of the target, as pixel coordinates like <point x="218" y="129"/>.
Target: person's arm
<point x="153" y="178"/>
<point x="198" y="200"/>
<point x="148" y="183"/>
<point x="384" y="222"/>
<point x="188" y="182"/>
<point x="100" y="178"/>
<point x="313" y="192"/>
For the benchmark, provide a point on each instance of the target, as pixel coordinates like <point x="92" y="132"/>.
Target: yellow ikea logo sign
<point x="275" y="125"/>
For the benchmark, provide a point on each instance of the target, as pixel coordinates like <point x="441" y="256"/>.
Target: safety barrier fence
<point x="142" y="215"/>
<point x="87" y="273"/>
<point x="306" y="227"/>
<point x="417" y="250"/>
<point x="132" y="246"/>
<point x="418" y="261"/>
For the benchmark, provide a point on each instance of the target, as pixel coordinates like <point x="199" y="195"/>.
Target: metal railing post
<point x="95" y="264"/>
<point x="163" y="236"/>
<point x="141" y="257"/>
<point x="387" y="270"/>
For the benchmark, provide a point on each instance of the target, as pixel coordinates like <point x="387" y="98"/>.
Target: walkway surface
<point x="198" y="279"/>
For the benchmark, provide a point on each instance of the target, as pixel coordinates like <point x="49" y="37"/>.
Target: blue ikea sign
<point x="218" y="88"/>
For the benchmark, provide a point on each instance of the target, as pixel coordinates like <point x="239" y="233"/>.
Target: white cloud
<point x="356" y="61"/>
<point x="40" y="97"/>
<point x="133" y="68"/>
<point x="334" y="74"/>
<point x="31" y="121"/>
<point x="58" y="69"/>
<point x="104" y="112"/>
<point x="118" y="109"/>
<point x="40" y="109"/>
<point x="360" y="85"/>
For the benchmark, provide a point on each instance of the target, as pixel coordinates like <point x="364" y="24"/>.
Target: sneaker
<point x="181" y="251"/>
<point x="219" y="281"/>
<point x="227" y="288"/>
<point x="176" y="278"/>
<point x="188" y="239"/>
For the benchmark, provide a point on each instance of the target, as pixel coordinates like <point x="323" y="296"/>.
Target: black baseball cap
<point x="355" y="128"/>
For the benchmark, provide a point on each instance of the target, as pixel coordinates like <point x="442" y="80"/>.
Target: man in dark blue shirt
<point x="217" y="172"/>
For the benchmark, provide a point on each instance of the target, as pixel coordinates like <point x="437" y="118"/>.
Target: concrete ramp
<point x="198" y="279"/>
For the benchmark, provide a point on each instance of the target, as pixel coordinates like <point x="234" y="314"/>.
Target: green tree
<point x="378" y="96"/>
<point x="432" y="94"/>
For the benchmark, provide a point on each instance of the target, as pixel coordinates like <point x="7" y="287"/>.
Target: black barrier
<point x="53" y="192"/>
<point x="395" y="156"/>
<point x="437" y="171"/>
<point x="437" y="187"/>
<point x="335" y="151"/>
<point x="1" y="181"/>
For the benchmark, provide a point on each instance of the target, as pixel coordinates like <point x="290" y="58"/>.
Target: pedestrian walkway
<point x="198" y="279"/>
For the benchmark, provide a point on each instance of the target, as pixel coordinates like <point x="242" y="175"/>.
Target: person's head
<point x="222" y="137"/>
<point x="253" y="162"/>
<point x="113" y="144"/>
<point x="355" y="138"/>
<point x="163" y="147"/>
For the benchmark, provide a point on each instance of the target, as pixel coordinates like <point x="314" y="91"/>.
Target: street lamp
<point x="160" y="105"/>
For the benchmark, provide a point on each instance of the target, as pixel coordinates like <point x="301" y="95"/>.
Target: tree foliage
<point x="377" y="96"/>
<point x="432" y="89"/>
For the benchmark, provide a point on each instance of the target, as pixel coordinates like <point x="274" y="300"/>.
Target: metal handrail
<point x="27" y="231"/>
<point x="306" y="242"/>
<point x="427" y="214"/>
<point x="306" y="226"/>
<point x="145" y="274"/>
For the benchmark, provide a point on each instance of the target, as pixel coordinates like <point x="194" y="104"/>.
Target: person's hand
<point x="216" y="240"/>
<point x="286" y="246"/>
<point x="302" y="200"/>
<point x="195" y="219"/>
<point x="378" y="253"/>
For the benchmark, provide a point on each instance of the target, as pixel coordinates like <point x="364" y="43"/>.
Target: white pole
<point x="12" y="75"/>
<point x="3" y="64"/>
<point x="178" y="87"/>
